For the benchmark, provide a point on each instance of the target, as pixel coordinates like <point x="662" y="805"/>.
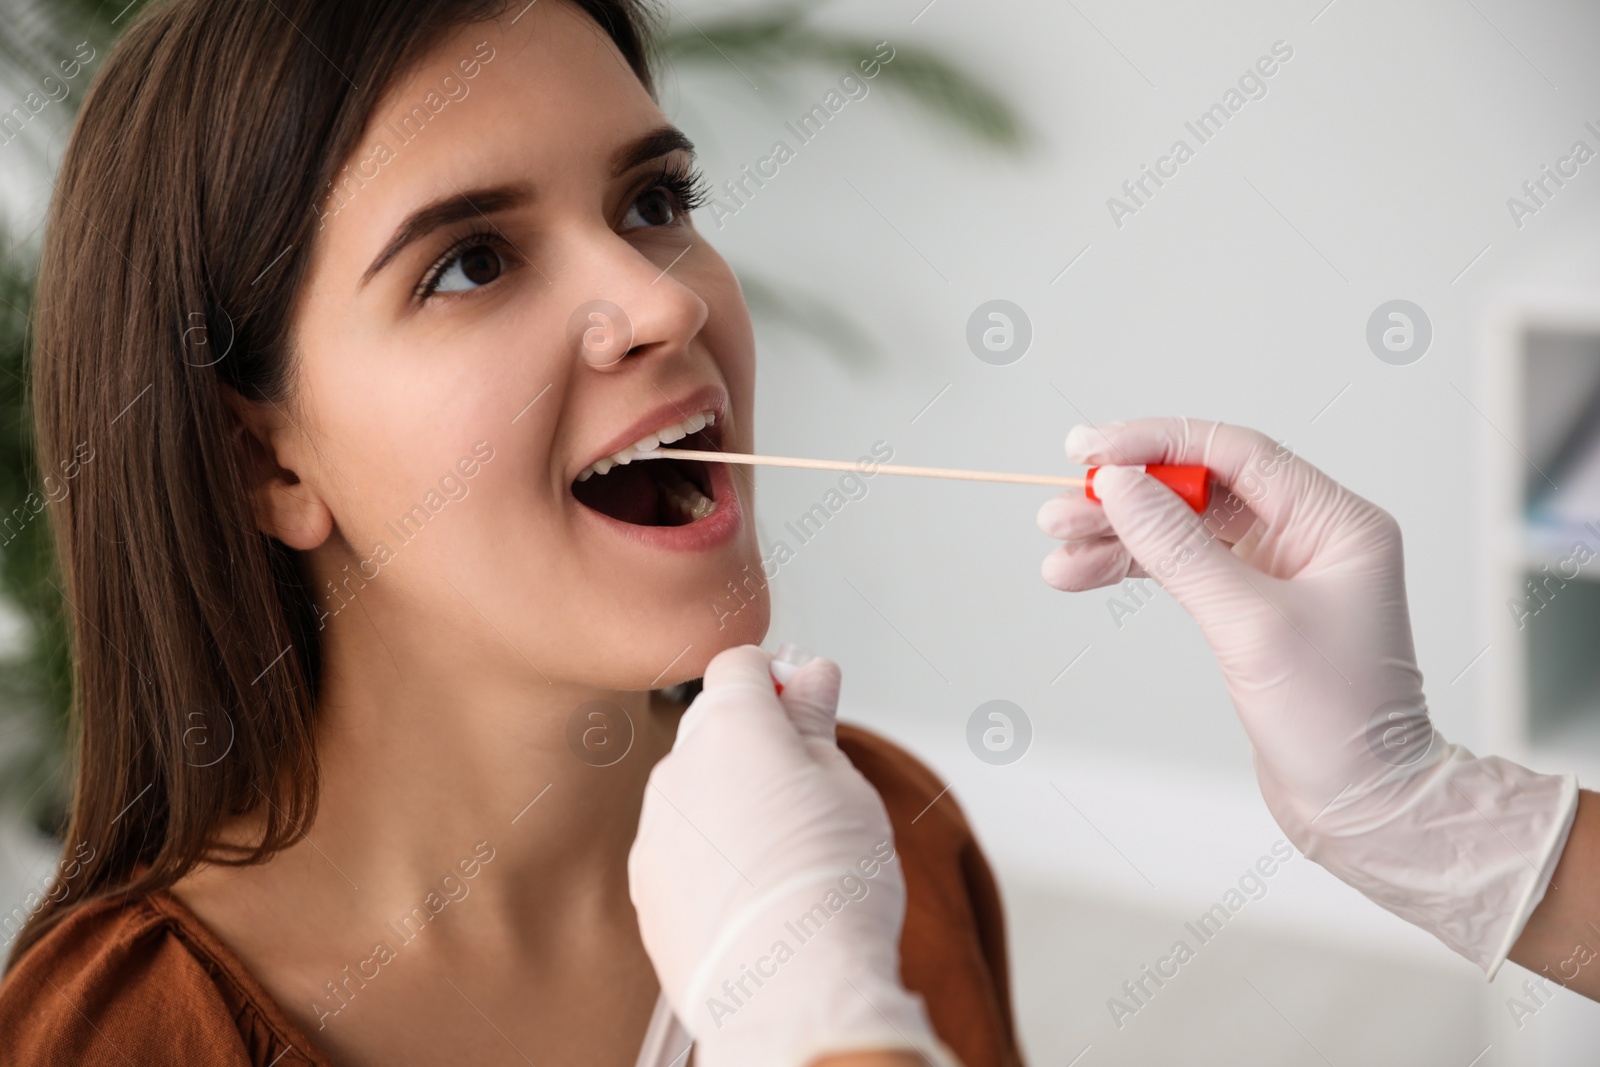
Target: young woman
<point x="360" y="309"/>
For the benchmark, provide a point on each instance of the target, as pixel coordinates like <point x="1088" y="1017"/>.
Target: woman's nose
<point x="644" y="309"/>
<point x="602" y="333"/>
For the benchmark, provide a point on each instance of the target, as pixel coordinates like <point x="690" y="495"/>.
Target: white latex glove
<point x="1299" y="587"/>
<point x="769" y="894"/>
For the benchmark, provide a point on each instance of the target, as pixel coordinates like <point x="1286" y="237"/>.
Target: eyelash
<point x="686" y="185"/>
<point x="425" y="288"/>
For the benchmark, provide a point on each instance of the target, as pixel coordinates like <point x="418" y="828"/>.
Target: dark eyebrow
<point x="446" y="210"/>
<point x="653" y="145"/>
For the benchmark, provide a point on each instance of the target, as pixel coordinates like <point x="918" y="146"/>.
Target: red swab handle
<point x="1192" y="483"/>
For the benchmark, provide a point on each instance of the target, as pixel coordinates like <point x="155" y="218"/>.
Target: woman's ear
<point x="270" y="447"/>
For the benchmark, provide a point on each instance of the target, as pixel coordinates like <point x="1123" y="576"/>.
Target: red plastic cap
<point x="1192" y="483"/>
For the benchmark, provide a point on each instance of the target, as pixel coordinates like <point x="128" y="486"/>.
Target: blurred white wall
<point x="1376" y="167"/>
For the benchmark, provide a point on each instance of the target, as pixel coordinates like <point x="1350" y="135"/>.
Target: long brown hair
<point x="177" y="241"/>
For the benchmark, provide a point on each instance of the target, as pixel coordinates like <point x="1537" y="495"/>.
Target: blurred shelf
<point x="1542" y="496"/>
<point x="1560" y="559"/>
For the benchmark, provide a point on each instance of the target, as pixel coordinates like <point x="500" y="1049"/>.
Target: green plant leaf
<point x="764" y="45"/>
<point x="808" y="315"/>
<point x="35" y="679"/>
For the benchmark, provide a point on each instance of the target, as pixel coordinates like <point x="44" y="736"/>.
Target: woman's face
<point x="506" y="289"/>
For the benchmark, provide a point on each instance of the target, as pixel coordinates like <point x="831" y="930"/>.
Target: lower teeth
<point x="684" y="495"/>
<point x="691" y="502"/>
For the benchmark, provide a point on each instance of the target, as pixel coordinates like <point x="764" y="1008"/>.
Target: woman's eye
<point x="475" y="266"/>
<point x="655" y="207"/>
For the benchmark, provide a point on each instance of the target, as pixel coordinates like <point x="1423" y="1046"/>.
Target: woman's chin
<point x="746" y="627"/>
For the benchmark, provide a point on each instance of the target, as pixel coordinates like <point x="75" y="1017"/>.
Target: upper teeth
<point x="650" y="442"/>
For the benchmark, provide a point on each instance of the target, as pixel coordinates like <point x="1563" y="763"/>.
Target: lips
<point x="670" y="411"/>
<point x="665" y="492"/>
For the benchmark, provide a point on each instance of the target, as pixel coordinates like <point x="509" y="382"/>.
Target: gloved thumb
<point x="741" y="672"/>
<point x="811" y="697"/>
<point x="738" y="667"/>
<point x="1164" y="534"/>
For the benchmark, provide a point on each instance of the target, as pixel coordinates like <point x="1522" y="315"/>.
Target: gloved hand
<point x="1299" y="587"/>
<point x="769" y="894"/>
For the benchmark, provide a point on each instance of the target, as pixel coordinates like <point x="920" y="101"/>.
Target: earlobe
<point x="293" y="514"/>
<point x="285" y="506"/>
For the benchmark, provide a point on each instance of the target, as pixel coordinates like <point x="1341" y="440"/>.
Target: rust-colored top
<point x="143" y="981"/>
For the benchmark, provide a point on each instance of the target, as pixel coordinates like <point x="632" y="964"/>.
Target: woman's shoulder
<point x="930" y="830"/>
<point x="911" y="791"/>
<point x="140" y="980"/>
<point x="953" y="944"/>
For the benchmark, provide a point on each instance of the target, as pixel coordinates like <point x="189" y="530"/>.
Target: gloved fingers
<point x="1231" y="519"/>
<point x="742" y="665"/>
<point x="1079" y="565"/>
<point x="811" y="698"/>
<point x="1166" y="537"/>
<point x="1072" y="516"/>
<point x="1224" y="449"/>
<point x="1255" y="468"/>
<point x="737" y="680"/>
<point x="1122" y="443"/>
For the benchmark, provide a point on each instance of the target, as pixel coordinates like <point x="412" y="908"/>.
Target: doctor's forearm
<point x="1562" y="939"/>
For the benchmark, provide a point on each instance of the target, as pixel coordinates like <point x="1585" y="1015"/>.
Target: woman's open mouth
<point x="655" y="492"/>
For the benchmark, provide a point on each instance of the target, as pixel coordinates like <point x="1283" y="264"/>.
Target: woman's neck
<point x="423" y="761"/>
<point x="452" y="787"/>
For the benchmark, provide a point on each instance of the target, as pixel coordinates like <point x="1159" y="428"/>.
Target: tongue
<point x="627" y="493"/>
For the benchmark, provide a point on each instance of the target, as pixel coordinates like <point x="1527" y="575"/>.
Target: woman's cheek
<point x="730" y="337"/>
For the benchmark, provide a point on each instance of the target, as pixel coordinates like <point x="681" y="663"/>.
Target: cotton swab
<point x="1192" y="483"/>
